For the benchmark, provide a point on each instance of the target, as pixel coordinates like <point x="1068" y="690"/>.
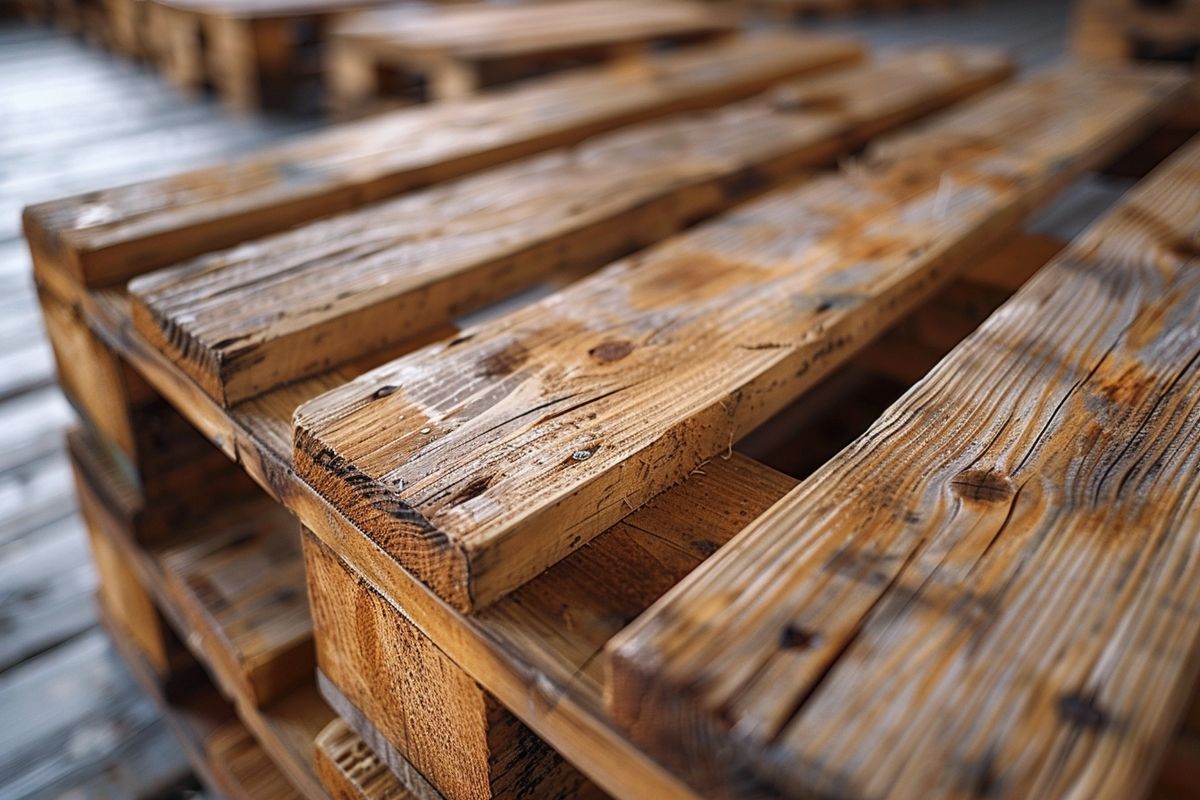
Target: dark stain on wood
<point x="1082" y="711"/>
<point x="798" y="637"/>
<point x="473" y="489"/>
<point x="505" y="361"/>
<point x="611" y="350"/>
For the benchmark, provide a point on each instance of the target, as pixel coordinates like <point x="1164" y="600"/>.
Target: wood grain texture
<point x="478" y="32"/>
<point x="245" y="320"/>
<point x="221" y="751"/>
<point x="479" y="462"/>
<point x="231" y="581"/>
<point x="501" y="653"/>
<point x="350" y="770"/>
<point x="460" y="738"/>
<point x="105" y="237"/>
<point x="560" y="622"/>
<point x="994" y="591"/>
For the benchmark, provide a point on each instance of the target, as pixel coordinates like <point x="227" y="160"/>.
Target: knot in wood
<point x="983" y="485"/>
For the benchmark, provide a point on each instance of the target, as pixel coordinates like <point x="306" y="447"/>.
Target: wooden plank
<point x="460" y="740"/>
<point x="245" y="320"/>
<point x="238" y="579"/>
<point x="287" y="728"/>
<point x="479" y="462"/>
<point x="350" y="770"/>
<point x="994" y="589"/>
<point x="221" y="751"/>
<point x="561" y="621"/>
<point x="457" y="49"/>
<point x="231" y="580"/>
<point x="478" y="32"/>
<point x="242" y="768"/>
<point x="109" y="236"/>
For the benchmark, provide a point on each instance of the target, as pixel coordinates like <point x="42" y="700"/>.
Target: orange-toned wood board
<point x="479" y="462"/>
<point x="246" y="320"/>
<point x="106" y="237"/>
<point x="993" y="591"/>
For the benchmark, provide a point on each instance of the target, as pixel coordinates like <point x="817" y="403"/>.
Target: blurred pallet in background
<point x="454" y="52"/>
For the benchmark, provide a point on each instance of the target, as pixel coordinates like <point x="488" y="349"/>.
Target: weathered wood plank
<point x="231" y="580"/>
<point x="245" y="320"/>
<point x="462" y="741"/>
<point x="241" y="768"/>
<point x="479" y="462"/>
<point x="995" y="589"/>
<point x="109" y="236"/>
<point x="481" y="31"/>
<point x="560" y="622"/>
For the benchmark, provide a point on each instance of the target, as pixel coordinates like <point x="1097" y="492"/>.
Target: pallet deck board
<point x="109" y="236"/>
<point x="479" y="462"/>
<point x="988" y="580"/>
<point x="245" y="320"/>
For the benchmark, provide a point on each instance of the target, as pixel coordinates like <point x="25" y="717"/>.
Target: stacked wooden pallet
<point x="255" y="53"/>
<point x="1127" y="30"/>
<point x="456" y="50"/>
<point x="504" y="532"/>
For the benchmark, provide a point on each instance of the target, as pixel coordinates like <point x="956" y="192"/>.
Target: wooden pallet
<point x="255" y="53"/>
<point x="495" y="523"/>
<point x="1127" y="30"/>
<point x="453" y="52"/>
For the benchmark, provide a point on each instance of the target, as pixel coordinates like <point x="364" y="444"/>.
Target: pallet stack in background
<point x="409" y="450"/>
